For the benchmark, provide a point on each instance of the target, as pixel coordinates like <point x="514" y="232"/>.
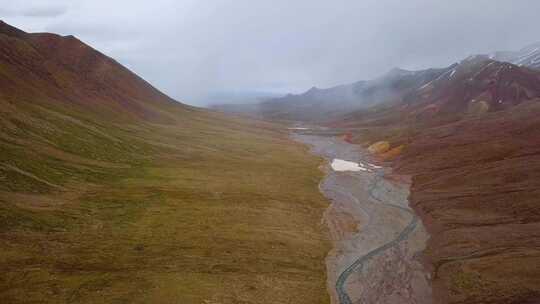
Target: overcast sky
<point x="192" y="49"/>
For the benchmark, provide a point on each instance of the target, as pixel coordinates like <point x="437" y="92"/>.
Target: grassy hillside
<point x="207" y="209"/>
<point x="111" y="192"/>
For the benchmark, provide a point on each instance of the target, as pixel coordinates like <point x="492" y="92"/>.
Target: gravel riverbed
<point x="377" y="239"/>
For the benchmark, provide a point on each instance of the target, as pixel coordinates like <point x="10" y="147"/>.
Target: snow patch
<point x="449" y="72"/>
<point x="341" y="165"/>
<point x="374" y="166"/>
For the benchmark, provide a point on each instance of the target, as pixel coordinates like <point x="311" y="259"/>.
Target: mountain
<point x="473" y="87"/>
<point x="468" y="136"/>
<point x="397" y="86"/>
<point x="112" y="192"/>
<point x="470" y="141"/>
<point x="66" y="70"/>
<point x="529" y="56"/>
<point x="317" y="104"/>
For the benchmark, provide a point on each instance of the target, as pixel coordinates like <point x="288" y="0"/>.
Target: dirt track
<point x="376" y="236"/>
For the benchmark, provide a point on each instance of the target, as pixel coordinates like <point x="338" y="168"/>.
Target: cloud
<point x="44" y="11"/>
<point x="193" y="49"/>
<point x="33" y="9"/>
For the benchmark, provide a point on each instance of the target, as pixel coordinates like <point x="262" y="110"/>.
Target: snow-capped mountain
<point x="528" y="56"/>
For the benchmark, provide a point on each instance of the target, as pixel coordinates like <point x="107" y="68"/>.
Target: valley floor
<point x="376" y="236"/>
<point x="210" y="209"/>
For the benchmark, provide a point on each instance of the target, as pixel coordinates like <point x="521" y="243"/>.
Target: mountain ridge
<point x="395" y="86"/>
<point x="528" y="56"/>
<point x="331" y="102"/>
<point x="80" y="74"/>
<point x="474" y="86"/>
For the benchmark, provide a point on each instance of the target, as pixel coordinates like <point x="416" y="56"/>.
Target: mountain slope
<point x="529" y="56"/>
<point x="473" y="87"/>
<point x="325" y="104"/>
<point x="397" y="86"/>
<point x="470" y="140"/>
<point x="475" y="184"/>
<point x="111" y="192"/>
<point x="69" y="72"/>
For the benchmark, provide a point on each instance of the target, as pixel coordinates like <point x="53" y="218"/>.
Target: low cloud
<point x="33" y="8"/>
<point x="44" y="11"/>
<point x="193" y="49"/>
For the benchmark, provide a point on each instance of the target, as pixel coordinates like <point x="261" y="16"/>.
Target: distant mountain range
<point x="402" y="87"/>
<point x="317" y="104"/>
<point x="475" y="86"/>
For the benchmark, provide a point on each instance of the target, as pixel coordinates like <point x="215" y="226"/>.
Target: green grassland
<point x="208" y="209"/>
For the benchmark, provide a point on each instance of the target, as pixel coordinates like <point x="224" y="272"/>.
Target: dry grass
<point x="206" y="210"/>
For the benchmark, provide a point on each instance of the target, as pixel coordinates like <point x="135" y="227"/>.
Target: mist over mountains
<point x="189" y="49"/>
<point x="396" y="86"/>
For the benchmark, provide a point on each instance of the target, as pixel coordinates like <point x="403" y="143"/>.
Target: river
<point x="377" y="239"/>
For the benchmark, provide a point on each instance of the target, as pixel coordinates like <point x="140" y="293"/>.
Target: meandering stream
<point x="377" y="238"/>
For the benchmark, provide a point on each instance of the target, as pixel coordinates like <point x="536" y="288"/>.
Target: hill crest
<point x="50" y="68"/>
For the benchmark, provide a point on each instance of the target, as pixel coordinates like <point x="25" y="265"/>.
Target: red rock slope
<point x="472" y="144"/>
